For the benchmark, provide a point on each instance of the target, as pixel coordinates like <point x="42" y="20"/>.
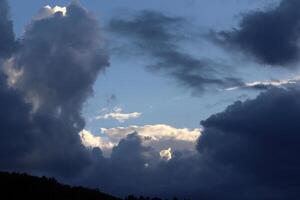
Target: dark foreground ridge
<point x="23" y="186"/>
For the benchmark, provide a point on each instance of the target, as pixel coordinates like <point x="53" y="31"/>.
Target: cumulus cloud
<point x="271" y="36"/>
<point x="162" y="138"/>
<point x="91" y="141"/>
<point x="166" y="154"/>
<point x="52" y="73"/>
<point x="48" y="11"/>
<point x="119" y="116"/>
<point x="158" y="136"/>
<point x="159" y="36"/>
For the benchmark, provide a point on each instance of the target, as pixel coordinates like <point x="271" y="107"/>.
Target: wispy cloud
<point x="266" y="84"/>
<point x="159" y="37"/>
<point x="117" y="114"/>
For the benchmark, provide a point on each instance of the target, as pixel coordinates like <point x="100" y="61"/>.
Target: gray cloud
<point x="59" y="58"/>
<point x="159" y="36"/>
<point x="271" y="36"/>
<point x="256" y="142"/>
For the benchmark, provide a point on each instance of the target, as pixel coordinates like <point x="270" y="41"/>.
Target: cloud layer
<point x="268" y="84"/>
<point x="158" y="136"/>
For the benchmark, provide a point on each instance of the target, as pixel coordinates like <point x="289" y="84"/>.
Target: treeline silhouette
<point x="131" y="197"/>
<point x="24" y="186"/>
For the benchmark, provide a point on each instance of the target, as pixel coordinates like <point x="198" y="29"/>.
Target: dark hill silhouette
<point x="23" y="186"/>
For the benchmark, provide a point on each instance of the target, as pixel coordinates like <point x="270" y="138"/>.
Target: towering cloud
<point x="57" y="61"/>
<point x="271" y="36"/>
<point x="158" y="36"/>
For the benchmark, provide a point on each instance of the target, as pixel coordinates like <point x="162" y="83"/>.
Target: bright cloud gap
<point x="163" y="138"/>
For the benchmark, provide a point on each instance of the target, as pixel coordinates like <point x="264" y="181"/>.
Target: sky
<point x="195" y="99"/>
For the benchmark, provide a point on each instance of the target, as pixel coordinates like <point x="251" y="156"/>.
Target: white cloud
<point x="166" y="154"/>
<point x="91" y="141"/>
<point x="159" y="136"/>
<point x="162" y="138"/>
<point x="117" y="114"/>
<point x="48" y="11"/>
<point x="276" y="83"/>
<point x="156" y="132"/>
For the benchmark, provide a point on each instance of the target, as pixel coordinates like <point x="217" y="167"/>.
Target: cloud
<point x="271" y="36"/>
<point x="166" y="154"/>
<point x="158" y="136"/>
<point x="58" y="58"/>
<point x="159" y="36"/>
<point x="91" y="141"/>
<point x="249" y="151"/>
<point x="264" y="85"/>
<point x="119" y="116"/>
<point x="48" y="11"/>
<point x="256" y="144"/>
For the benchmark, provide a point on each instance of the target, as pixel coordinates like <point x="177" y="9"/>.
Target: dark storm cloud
<point x="7" y="38"/>
<point x="257" y="143"/>
<point x="15" y="127"/>
<point x="271" y="36"/>
<point x="59" y="58"/>
<point x="159" y="36"/>
<point x="125" y="170"/>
